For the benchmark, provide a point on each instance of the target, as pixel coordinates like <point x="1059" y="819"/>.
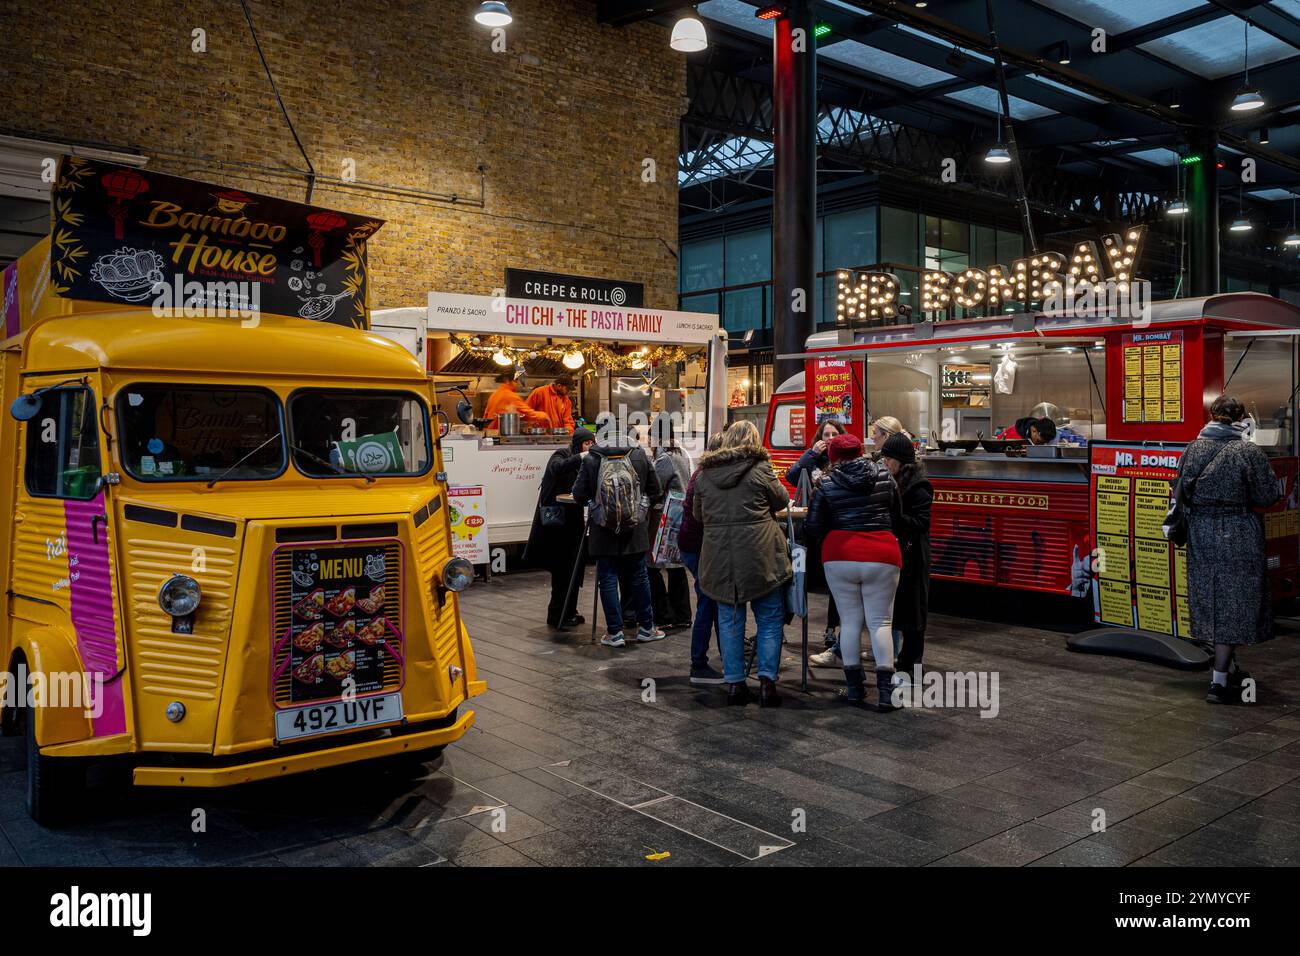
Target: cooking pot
<point x="508" y="424"/>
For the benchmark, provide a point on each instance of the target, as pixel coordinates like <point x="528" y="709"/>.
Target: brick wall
<point x="413" y="93"/>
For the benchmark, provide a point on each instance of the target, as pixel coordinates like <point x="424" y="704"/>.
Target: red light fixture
<point x="769" y="12"/>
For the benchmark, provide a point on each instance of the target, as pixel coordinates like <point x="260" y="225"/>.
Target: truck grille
<point x="340" y="619"/>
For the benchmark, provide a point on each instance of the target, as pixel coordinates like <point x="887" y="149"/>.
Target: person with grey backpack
<point x="619" y="487"/>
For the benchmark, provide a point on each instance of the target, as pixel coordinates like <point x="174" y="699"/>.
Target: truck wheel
<point x="53" y="783"/>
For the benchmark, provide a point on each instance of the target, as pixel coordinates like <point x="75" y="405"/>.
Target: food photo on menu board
<point x="340" y="621"/>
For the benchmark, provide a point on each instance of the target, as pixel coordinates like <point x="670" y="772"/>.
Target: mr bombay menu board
<point x="1153" y="377"/>
<point x="340" y="623"/>
<point x="1139" y="578"/>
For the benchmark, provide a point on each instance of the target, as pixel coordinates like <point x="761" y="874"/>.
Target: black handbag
<point x="552" y="515"/>
<point x="1175" y="524"/>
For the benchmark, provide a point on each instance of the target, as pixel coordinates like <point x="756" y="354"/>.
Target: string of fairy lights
<point x="584" y="358"/>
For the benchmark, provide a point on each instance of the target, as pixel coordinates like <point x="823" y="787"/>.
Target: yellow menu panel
<point x="1112" y="557"/>
<point x="1154" y="609"/>
<point x="1184" y="617"/>
<point x="1180" y="570"/>
<point x="1116" y="602"/>
<point x="1156" y="487"/>
<point x="1151" y="563"/>
<point x="1112" y="513"/>
<point x="1149" y="515"/>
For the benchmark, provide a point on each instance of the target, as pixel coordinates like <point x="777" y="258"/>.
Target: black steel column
<point x="794" y="206"/>
<point x="1203" y="198"/>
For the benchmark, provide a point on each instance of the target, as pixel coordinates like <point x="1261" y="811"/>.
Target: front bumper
<point x="231" y="775"/>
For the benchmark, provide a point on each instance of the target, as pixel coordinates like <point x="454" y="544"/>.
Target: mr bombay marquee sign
<point x="865" y="296"/>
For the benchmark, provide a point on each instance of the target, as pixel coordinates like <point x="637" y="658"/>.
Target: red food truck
<point x="1126" y="394"/>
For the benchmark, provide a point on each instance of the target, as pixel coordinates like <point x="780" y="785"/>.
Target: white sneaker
<point x="827" y="658"/>
<point x="645" y="637"/>
<point x="613" y="640"/>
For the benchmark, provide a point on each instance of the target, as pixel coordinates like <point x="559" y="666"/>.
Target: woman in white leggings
<point x="855" y="512"/>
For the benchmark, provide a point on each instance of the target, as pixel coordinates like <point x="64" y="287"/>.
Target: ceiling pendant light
<point x="689" y="36"/>
<point x="998" y="155"/>
<point x="502" y="359"/>
<point x="493" y="13"/>
<point x="1241" y="223"/>
<point x="573" y="360"/>
<point x="1248" y="98"/>
<point x="1293" y="238"/>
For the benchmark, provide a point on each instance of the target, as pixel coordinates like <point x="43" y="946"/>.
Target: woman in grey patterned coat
<point x="1227" y="572"/>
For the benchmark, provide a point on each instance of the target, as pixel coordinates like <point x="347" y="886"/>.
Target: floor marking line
<point x="670" y="796"/>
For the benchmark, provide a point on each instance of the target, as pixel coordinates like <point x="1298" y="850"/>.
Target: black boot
<point x="885" y="688"/>
<point x="738" y="695"/>
<point x="767" y="695"/>
<point x="854" y="691"/>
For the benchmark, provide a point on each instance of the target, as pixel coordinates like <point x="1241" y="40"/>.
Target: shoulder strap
<point x="1189" y="481"/>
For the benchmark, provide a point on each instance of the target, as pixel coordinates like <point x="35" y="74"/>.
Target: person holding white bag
<point x="673" y="467"/>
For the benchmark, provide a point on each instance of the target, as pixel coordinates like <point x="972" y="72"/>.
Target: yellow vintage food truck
<point x="226" y="550"/>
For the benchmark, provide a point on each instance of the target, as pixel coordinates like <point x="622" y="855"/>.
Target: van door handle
<point x="94" y="527"/>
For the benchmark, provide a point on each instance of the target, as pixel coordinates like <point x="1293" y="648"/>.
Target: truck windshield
<point x="196" y="432"/>
<point x="339" y="431"/>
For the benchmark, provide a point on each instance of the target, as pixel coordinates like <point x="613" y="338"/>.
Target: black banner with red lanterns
<point x="138" y="237"/>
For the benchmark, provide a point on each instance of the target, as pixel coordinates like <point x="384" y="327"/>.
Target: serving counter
<point x="510" y="475"/>
<point x="975" y="466"/>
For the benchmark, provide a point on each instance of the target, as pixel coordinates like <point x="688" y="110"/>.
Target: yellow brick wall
<point x="413" y="93"/>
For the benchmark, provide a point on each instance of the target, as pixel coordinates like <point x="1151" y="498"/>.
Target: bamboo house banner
<point x="138" y="237"/>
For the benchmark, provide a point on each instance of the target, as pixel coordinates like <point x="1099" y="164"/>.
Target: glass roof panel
<point x="735" y="13"/>
<point x="973" y="54"/>
<point x="1159" y="157"/>
<point x="986" y="98"/>
<point x="1272" y="195"/>
<point x="1116" y="16"/>
<point x="1215" y="49"/>
<point x="868" y="58"/>
<point x="1066" y="89"/>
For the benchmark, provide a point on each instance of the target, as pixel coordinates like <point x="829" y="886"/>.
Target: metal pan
<point x="962" y="444"/>
<point x="998" y="445"/>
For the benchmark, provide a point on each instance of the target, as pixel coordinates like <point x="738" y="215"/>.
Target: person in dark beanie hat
<point x="899" y="448"/>
<point x="912" y="600"/>
<point x="553" y="546"/>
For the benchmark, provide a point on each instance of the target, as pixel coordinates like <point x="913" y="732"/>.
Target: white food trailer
<point x="510" y="468"/>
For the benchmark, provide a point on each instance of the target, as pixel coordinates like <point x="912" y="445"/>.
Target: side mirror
<point x="444" y="424"/>
<point x="465" y="412"/>
<point x="26" y="407"/>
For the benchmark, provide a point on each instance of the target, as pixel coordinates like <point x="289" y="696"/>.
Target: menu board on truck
<point x="341" y="628"/>
<point x="832" y="391"/>
<point x="467" y="514"/>
<point x="1140" y="578"/>
<point x="1153" y="377"/>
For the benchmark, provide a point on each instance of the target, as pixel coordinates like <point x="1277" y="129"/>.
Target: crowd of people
<point x="867" y="531"/>
<point x="867" y="525"/>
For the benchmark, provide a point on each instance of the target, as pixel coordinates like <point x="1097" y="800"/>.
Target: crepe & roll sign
<point x="139" y="237"/>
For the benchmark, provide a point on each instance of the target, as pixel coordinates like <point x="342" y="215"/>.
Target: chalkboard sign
<point x="185" y="247"/>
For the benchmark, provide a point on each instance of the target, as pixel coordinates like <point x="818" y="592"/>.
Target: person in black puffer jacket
<point x="555" y="548"/>
<point x="911" y="605"/>
<point x="855" y="513"/>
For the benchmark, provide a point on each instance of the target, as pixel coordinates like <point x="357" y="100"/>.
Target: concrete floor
<point x="572" y="764"/>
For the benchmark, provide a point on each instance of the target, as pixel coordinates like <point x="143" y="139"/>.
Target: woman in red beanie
<point x="855" y="512"/>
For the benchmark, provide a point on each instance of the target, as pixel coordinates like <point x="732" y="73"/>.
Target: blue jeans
<point x="706" y="614"/>
<point x="769" y="615"/>
<point x="632" y="567"/>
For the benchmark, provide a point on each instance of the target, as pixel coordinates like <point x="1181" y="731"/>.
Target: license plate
<point x="337" y="715"/>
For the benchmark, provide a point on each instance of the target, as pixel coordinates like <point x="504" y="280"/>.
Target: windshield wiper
<point x="244" y="459"/>
<point x="329" y="464"/>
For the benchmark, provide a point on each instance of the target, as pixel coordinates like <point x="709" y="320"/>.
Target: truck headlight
<point x="179" y="596"/>
<point x="457" y="574"/>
